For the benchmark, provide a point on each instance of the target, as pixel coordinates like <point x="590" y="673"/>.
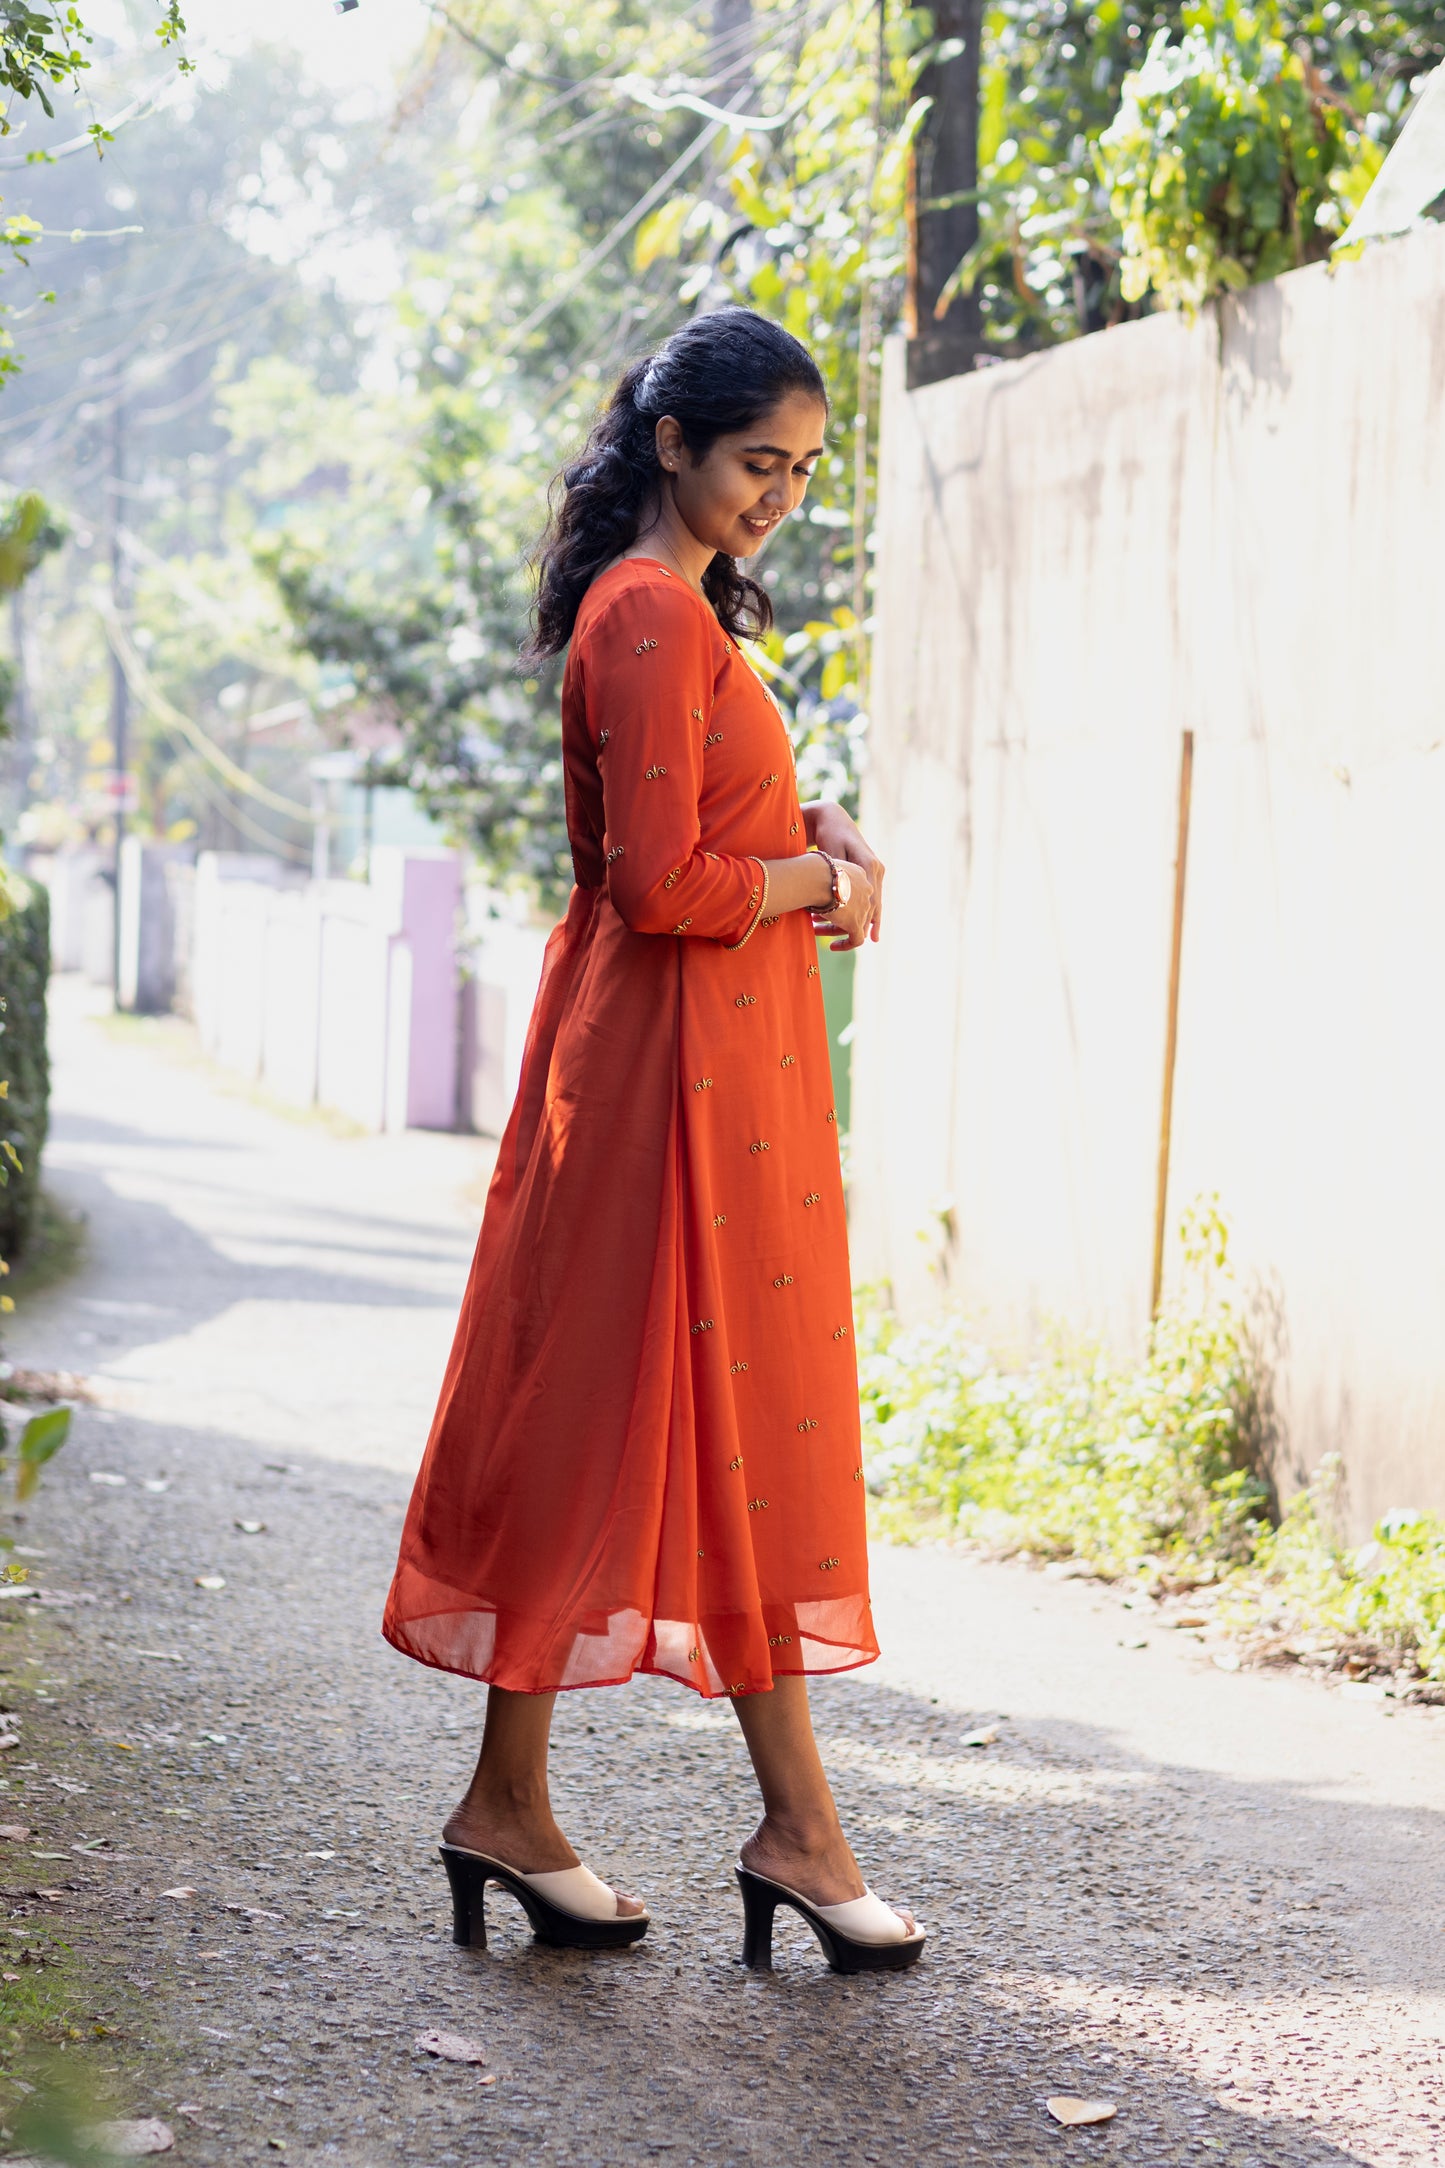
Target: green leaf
<point x="40" y="1441"/>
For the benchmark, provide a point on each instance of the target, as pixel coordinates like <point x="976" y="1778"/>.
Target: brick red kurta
<point x="645" y="1454"/>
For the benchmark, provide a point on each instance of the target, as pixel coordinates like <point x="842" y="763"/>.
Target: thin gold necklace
<point x="677" y="566"/>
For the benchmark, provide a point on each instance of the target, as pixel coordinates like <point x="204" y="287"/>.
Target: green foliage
<point x="1385" y="1596"/>
<point x="379" y="451"/>
<point x="1079" y="1454"/>
<point x="29" y="531"/>
<point x="40" y="1441"/>
<point x="1227" y="162"/>
<point x="41" y="49"/>
<point x="411" y="582"/>
<point x="1152" y="1468"/>
<point x="24" y="1060"/>
<point x="1050" y="258"/>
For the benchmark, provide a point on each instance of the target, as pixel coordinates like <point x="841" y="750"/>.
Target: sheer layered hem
<point x="719" y="1654"/>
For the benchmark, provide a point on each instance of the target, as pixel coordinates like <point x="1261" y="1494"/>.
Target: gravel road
<point x="1217" y="1901"/>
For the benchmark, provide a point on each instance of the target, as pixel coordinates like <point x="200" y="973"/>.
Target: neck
<point x="666" y="535"/>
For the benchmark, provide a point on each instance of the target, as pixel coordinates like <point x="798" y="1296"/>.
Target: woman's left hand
<point x="837" y="833"/>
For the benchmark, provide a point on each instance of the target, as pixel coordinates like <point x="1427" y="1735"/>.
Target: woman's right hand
<point x="849" y="923"/>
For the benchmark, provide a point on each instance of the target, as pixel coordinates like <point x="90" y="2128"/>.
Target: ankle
<point x="806" y="1830"/>
<point x="511" y="1798"/>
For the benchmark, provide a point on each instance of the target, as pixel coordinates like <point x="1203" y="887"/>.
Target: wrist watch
<point x="842" y="881"/>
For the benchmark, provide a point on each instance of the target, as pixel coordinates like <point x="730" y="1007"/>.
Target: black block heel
<point x="468" y="1874"/>
<point x="761" y="1899"/>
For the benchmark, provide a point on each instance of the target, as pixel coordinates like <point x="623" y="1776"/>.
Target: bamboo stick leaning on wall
<point x="1171" y="1031"/>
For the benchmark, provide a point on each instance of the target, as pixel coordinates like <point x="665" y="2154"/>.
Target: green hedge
<point x="24" y="1059"/>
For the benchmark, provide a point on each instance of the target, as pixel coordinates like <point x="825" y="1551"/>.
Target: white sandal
<point x="568" y="1907"/>
<point x="863" y="1935"/>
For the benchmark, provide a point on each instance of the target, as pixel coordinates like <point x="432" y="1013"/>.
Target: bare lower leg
<point x="507" y="1810"/>
<point x="799" y="1840"/>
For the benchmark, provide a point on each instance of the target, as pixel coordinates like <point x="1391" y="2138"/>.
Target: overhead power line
<point x="146" y="690"/>
<point x="609" y="241"/>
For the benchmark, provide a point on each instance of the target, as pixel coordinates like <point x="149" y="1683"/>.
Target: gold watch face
<point x="845" y="886"/>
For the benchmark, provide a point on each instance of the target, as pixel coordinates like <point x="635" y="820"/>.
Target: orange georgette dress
<point x="646" y="1451"/>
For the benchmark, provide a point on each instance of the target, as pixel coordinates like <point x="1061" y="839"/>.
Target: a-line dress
<point x="645" y="1456"/>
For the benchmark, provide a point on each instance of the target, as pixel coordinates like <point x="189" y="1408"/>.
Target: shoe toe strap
<point x="576" y="1890"/>
<point x="865" y="1919"/>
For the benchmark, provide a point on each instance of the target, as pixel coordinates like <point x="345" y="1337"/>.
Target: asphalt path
<point x="1214" y="1900"/>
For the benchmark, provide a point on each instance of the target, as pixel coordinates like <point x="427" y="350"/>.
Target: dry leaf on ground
<point x="184" y="1890"/>
<point x="252" y="1528"/>
<point x="16" y="1832"/>
<point x="1064" y="2108"/>
<point x="130" y="2141"/>
<point x="979" y="1738"/>
<point x="210" y="1580"/>
<point x="450" y="2047"/>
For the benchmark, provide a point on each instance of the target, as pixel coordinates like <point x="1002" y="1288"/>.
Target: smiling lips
<point x="759" y="526"/>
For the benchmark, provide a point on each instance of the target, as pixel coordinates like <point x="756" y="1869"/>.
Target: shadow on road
<point x="291" y="1764"/>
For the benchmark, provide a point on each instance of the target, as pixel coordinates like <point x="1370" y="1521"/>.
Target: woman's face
<point x="734" y="496"/>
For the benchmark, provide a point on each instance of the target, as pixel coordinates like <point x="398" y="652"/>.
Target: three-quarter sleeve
<point x="649" y="671"/>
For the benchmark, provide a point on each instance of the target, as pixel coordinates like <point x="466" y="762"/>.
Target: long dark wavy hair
<point x="719" y="374"/>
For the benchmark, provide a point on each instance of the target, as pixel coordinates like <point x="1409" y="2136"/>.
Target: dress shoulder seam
<point x="672" y="593"/>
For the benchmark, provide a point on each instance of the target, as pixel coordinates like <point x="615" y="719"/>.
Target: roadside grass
<point x="176" y="1039"/>
<point x="1152" y="1473"/>
<point x="55" y="1251"/>
<point x="51" y="2094"/>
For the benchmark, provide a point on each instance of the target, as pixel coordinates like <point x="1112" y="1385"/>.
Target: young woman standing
<point x="645" y="1455"/>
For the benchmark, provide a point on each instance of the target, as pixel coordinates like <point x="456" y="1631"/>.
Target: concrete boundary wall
<point x="337" y="993"/>
<point x="1233" y="527"/>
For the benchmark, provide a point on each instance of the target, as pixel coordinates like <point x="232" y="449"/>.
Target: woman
<point x="645" y="1456"/>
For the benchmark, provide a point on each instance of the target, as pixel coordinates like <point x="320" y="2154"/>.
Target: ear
<point x="668" y="439"/>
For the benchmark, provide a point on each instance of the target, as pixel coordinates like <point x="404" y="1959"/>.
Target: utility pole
<point x="119" y="688"/>
<point x="23" y="755"/>
<point x="732" y="26"/>
<point x="942" y="199"/>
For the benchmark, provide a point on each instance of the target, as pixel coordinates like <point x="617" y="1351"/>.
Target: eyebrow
<point x="780" y="451"/>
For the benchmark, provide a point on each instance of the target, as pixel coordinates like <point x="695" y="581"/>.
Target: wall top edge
<point x="1392" y="264"/>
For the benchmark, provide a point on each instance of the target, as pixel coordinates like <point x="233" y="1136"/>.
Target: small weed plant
<point x="1152" y="1469"/>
